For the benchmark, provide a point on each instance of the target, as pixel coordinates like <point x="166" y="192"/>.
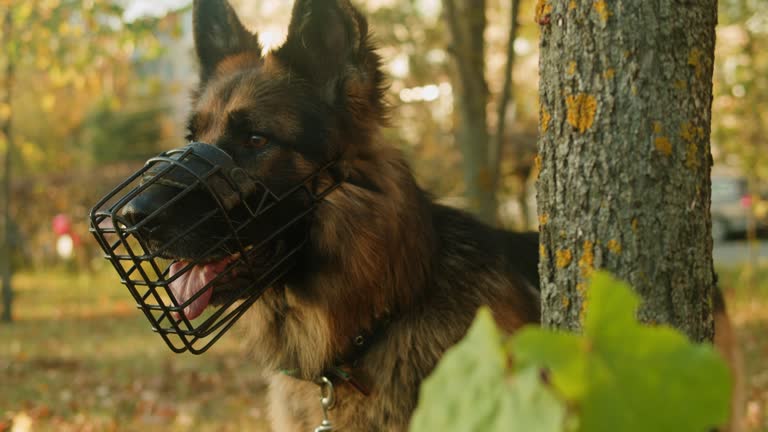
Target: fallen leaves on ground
<point x="82" y="364"/>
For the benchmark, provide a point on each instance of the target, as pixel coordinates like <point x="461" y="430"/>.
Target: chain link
<point x="327" y="402"/>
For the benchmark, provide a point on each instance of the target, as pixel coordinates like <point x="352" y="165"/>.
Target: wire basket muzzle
<point x="197" y="240"/>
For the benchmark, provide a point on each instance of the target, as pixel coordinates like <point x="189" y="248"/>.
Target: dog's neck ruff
<point x="173" y="294"/>
<point x="346" y="369"/>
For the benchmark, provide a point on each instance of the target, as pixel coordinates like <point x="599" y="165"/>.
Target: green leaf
<point x="610" y="301"/>
<point x="625" y="376"/>
<point x="555" y="350"/>
<point x="529" y="406"/>
<point x="469" y="390"/>
<point x="466" y="389"/>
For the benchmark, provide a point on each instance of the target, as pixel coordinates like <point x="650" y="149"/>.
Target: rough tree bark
<point x="626" y="92"/>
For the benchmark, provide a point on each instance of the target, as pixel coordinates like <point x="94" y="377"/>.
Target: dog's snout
<point x="137" y="210"/>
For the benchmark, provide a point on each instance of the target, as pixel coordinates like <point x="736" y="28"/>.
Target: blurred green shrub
<point x="116" y="134"/>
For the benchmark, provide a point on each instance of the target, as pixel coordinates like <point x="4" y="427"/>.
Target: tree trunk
<point x="466" y="21"/>
<point x="626" y="93"/>
<point x="505" y="98"/>
<point x="481" y="152"/>
<point x="7" y="268"/>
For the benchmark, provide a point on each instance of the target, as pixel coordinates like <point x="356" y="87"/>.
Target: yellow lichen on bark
<point x="681" y="85"/>
<point x="614" y="246"/>
<point x="543" y="8"/>
<point x="694" y="59"/>
<point x="663" y="145"/>
<point x="566" y="302"/>
<point x="691" y="135"/>
<point x="581" y="109"/>
<point x="571" y="67"/>
<point x="634" y="224"/>
<point x="563" y="258"/>
<point x="581" y="289"/>
<point x="602" y="10"/>
<point x="572" y="5"/>
<point x="587" y="260"/>
<point x="537" y="163"/>
<point x="686" y="132"/>
<point x="583" y="311"/>
<point x="609" y="73"/>
<point x="543" y="219"/>
<point x="545" y="118"/>
<point x="691" y="160"/>
<point x="657" y="127"/>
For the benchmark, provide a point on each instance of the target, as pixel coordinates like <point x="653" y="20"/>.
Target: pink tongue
<point x="192" y="281"/>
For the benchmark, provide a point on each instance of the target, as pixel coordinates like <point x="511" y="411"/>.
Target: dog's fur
<point x="381" y="250"/>
<point x="383" y="259"/>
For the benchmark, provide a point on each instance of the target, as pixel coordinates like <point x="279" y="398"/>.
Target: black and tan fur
<point x="381" y="251"/>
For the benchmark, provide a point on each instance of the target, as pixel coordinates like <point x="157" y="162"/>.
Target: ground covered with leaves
<point x="79" y="357"/>
<point x="747" y="298"/>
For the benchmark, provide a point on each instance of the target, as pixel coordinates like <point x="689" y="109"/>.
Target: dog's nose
<point x="136" y="211"/>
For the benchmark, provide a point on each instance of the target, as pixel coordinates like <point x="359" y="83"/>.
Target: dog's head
<point x="281" y="117"/>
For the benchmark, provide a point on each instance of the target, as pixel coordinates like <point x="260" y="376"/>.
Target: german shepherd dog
<point x="389" y="279"/>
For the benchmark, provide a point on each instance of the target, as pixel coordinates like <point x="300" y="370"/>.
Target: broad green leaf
<point x="625" y="376"/>
<point x="609" y="301"/>
<point x="466" y="390"/>
<point x="555" y="350"/>
<point x="529" y="406"/>
<point x="469" y="390"/>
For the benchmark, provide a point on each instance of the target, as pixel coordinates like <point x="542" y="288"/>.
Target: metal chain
<point x="327" y="402"/>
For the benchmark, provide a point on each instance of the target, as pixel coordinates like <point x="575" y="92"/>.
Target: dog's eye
<point x="257" y="141"/>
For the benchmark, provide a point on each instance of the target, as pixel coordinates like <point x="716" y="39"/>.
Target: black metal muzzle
<point x="134" y="235"/>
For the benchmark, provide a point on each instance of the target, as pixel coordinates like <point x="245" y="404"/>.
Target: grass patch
<point x="746" y="291"/>
<point x="743" y="283"/>
<point x="80" y="356"/>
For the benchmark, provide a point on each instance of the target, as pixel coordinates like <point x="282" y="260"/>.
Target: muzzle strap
<point x="206" y="163"/>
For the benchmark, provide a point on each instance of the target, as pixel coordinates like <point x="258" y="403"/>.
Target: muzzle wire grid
<point x="147" y="273"/>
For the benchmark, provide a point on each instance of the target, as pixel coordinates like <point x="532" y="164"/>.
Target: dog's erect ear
<point x="323" y="38"/>
<point x="218" y="34"/>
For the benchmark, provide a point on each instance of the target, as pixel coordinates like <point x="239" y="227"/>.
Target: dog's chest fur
<point x="302" y="329"/>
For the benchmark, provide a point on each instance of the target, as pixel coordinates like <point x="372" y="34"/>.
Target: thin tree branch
<point x="505" y="97"/>
<point x="456" y="40"/>
<point x="7" y="132"/>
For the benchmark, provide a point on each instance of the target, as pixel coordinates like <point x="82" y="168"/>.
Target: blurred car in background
<point x="731" y="205"/>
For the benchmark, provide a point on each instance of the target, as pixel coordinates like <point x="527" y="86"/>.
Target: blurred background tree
<point x="740" y="108"/>
<point x="481" y="150"/>
<point x="741" y="87"/>
<point x="67" y="76"/>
